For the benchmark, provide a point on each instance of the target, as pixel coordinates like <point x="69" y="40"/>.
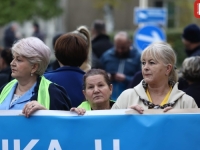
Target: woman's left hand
<point x="31" y="107"/>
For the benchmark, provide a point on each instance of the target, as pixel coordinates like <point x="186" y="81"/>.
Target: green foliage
<point x="174" y="39"/>
<point x="113" y="3"/>
<point x="21" y="10"/>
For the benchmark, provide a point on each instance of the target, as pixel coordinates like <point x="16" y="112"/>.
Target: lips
<point x="97" y="97"/>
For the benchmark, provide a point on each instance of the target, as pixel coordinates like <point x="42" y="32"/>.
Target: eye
<point x="89" y="87"/>
<point x="143" y="63"/>
<point x="100" y="85"/>
<point x="151" y="62"/>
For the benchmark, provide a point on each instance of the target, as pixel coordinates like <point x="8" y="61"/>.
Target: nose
<point x="146" y="66"/>
<point x="96" y="89"/>
<point x="12" y="63"/>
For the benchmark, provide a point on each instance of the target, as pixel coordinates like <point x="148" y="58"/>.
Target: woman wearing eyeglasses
<point x="159" y="89"/>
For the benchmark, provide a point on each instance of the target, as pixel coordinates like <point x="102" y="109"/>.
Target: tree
<point x="21" y="10"/>
<point x="108" y="7"/>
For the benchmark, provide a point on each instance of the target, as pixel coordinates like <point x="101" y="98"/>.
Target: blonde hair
<point x="84" y="32"/>
<point x="162" y="52"/>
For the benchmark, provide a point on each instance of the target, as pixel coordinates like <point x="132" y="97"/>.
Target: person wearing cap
<point x="191" y="40"/>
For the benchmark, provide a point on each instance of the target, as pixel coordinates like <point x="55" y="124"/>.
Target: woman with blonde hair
<point x="159" y="89"/>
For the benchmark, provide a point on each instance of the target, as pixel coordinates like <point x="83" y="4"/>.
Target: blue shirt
<point x="20" y="102"/>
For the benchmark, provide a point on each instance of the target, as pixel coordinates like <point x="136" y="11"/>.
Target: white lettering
<point x="31" y="144"/>
<point x="54" y="145"/>
<point x="116" y="144"/>
<point x="98" y="144"/>
<point x="16" y="144"/>
<point x="4" y="144"/>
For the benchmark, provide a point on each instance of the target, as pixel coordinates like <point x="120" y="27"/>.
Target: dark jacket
<point x="193" y="90"/>
<point x="136" y="79"/>
<point x="128" y="66"/>
<point x="5" y="76"/>
<point x="100" y="44"/>
<point x="194" y="52"/>
<point x="9" y="38"/>
<point x="59" y="99"/>
<point x="71" y="78"/>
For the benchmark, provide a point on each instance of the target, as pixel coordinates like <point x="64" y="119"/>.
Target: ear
<point x="34" y="68"/>
<point x="169" y="68"/>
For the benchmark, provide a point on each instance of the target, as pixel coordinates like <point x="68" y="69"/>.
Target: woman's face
<point x="154" y="71"/>
<point x="21" y="67"/>
<point x="97" y="90"/>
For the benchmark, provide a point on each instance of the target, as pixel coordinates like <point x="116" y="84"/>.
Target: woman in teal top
<point x="97" y="89"/>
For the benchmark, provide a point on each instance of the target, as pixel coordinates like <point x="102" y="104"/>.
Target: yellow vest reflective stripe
<point x="85" y="105"/>
<point x="43" y="92"/>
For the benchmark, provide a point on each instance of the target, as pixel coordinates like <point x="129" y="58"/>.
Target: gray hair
<point x="191" y="69"/>
<point x="161" y="51"/>
<point x="35" y="51"/>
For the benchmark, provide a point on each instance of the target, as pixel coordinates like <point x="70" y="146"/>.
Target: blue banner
<point x="100" y="132"/>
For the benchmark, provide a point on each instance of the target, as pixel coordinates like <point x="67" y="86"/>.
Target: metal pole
<point x="143" y="3"/>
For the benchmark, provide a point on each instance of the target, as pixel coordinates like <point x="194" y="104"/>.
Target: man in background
<point x="122" y="62"/>
<point x="100" y="42"/>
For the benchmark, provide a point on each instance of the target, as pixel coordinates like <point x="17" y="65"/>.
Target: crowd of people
<point x="92" y="73"/>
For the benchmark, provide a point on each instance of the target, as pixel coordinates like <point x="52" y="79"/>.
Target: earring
<point x="31" y="74"/>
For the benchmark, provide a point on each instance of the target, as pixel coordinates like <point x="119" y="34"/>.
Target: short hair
<point x="6" y="55"/>
<point x="121" y="34"/>
<point x="99" y="26"/>
<point x="191" y="69"/>
<point x="35" y="51"/>
<point x="161" y="51"/>
<point x="72" y="49"/>
<point x="93" y="72"/>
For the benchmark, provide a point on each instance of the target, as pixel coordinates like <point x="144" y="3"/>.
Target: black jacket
<point x="100" y="44"/>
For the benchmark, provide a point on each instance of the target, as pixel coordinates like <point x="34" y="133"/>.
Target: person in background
<point x="100" y="42"/>
<point x="55" y="64"/>
<point x="159" y="88"/>
<point x="5" y="70"/>
<point x="86" y="65"/>
<point x="136" y="79"/>
<point x="71" y="51"/>
<point x="37" y="33"/>
<point x="10" y="35"/>
<point x="191" y="40"/>
<point x="30" y="91"/>
<point x="97" y="89"/>
<point x="191" y="73"/>
<point x="121" y="62"/>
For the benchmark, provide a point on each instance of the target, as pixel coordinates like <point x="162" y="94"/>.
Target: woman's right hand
<point x="138" y="108"/>
<point x="79" y="111"/>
